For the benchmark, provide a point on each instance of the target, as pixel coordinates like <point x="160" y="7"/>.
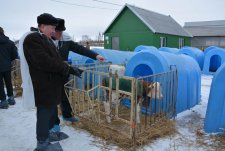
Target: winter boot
<point x="4" y="104"/>
<point x="71" y="119"/>
<point x="46" y="146"/>
<point x="11" y="100"/>
<point x="56" y="128"/>
<point x="54" y="147"/>
<point x="57" y="136"/>
<point x="42" y="145"/>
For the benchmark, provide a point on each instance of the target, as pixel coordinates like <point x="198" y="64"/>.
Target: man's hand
<point x="100" y="58"/>
<point x="75" y="71"/>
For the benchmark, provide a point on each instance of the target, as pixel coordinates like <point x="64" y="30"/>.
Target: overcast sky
<point x="89" y="17"/>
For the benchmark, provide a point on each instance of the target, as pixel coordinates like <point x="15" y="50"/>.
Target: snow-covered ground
<point x="17" y="131"/>
<point x="97" y="47"/>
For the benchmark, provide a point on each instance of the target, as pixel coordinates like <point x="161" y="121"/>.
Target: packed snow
<point x="18" y="127"/>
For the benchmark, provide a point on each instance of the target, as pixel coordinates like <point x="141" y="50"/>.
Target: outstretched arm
<point x="79" y="49"/>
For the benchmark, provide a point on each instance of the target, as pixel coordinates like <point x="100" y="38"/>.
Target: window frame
<point x="163" y="42"/>
<point x="181" y="42"/>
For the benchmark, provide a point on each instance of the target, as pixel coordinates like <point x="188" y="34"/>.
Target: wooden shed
<point x="206" y="33"/>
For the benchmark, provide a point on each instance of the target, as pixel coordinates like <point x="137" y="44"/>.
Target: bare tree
<point x="100" y="37"/>
<point x="85" y="38"/>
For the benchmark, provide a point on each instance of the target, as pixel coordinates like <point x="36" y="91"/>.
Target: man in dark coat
<point x="8" y="53"/>
<point x="46" y="71"/>
<point x="64" y="44"/>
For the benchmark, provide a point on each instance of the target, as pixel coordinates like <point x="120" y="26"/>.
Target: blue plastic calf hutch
<point x="195" y="53"/>
<point x="74" y="58"/>
<point x="209" y="48"/>
<point x="148" y="62"/>
<point x="143" y="47"/>
<point x="170" y="50"/>
<point x="214" y="58"/>
<point x="215" y="114"/>
<point x="114" y="56"/>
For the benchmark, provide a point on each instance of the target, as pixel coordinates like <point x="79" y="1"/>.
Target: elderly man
<point x="46" y="71"/>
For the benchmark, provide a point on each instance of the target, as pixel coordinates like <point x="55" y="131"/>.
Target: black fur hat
<point x="61" y="25"/>
<point x="47" y="19"/>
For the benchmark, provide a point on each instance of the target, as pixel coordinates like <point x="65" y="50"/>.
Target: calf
<point x="150" y="90"/>
<point x="145" y="92"/>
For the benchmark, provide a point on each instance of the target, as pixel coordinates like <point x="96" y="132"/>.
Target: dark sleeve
<point x="79" y="49"/>
<point x="38" y="57"/>
<point x="14" y="52"/>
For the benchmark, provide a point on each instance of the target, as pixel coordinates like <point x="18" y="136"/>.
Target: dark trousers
<point x="65" y="105"/>
<point x="45" y="121"/>
<point x="6" y="76"/>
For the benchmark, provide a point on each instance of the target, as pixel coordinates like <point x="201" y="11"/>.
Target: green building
<point x="135" y="26"/>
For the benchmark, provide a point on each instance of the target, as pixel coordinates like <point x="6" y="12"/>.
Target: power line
<point x="107" y="3"/>
<point x="67" y="3"/>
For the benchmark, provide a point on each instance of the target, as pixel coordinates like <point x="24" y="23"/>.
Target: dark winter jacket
<point x="65" y="46"/>
<point x="46" y="69"/>
<point x="8" y="53"/>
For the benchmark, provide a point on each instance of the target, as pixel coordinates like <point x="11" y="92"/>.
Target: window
<point x="162" y="41"/>
<point x="181" y="42"/>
